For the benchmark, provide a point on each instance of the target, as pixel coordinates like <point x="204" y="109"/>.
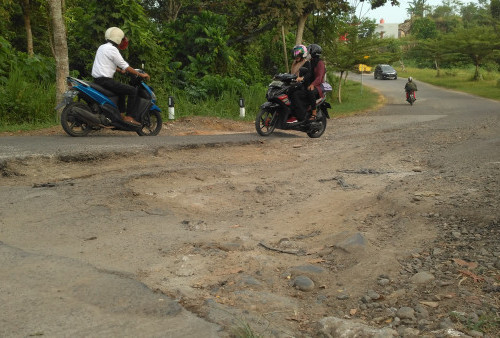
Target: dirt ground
<point x="392" y="224"/>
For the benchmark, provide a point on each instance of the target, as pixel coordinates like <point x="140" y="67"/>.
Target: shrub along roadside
<point x="25" y="102"/>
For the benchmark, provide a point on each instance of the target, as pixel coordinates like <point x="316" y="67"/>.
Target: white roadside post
<point x="171" y="109"/>
<point x="242" y="107"/>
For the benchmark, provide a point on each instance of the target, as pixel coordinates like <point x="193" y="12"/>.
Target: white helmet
<point x="114" y="34"/>
<point x="106" y="35"/>
<point x="410" y="79"/>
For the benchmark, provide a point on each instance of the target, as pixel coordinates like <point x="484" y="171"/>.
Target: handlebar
<point x="285" y="77"/>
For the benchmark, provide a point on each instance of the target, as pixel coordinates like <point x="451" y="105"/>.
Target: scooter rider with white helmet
<point x="107" y="61"/>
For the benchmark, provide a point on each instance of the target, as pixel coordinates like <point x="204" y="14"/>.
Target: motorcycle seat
<point x="104" y="91"/>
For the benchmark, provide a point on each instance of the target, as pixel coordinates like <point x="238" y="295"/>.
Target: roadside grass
<point x="355" y="98"/>
<point x="243" y="330"/>
<point x="226" y="106"/>
<point x="24" y="104"/>
<point x="12" y="128"/>
<point x="458" y="79"/>
<point x="488" y="322"/>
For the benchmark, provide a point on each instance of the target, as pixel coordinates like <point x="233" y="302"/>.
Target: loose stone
<point x="303" y="283"/>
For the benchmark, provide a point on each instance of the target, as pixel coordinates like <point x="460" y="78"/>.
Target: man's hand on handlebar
<point x="138" y="72"/>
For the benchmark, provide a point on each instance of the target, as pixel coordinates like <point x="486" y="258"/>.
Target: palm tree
<point x="418" y="8"/>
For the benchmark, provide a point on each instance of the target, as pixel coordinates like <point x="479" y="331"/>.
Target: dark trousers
<point x="313" y="96"/>
<point x="122" y="90"/>
<point x="300" y="101"/>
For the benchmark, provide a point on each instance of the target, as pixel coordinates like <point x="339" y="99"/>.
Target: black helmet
<point x="314" y="50"/>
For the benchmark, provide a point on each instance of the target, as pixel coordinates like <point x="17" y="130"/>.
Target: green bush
<point x="27" y="87"/>
<point x="24" y="101"/>
<point x="34" y="68"/>
<point x="225" y="105"/>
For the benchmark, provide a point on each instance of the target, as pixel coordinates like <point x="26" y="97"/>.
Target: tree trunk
<point x="300" y="28"/>
<point x="476" y="73"/>
<point x="27" y="26"/>
<point x="284" y="48"/>
<point x="60" y="47"/>
<point x="173" y="10"/>
<point x="339" y="93"/>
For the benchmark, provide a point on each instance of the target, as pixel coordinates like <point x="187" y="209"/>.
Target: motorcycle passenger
<point x="300" y="59"/>
<point x="107" y="61"/>
<point x="299" y="96"/>
<point x="318" y="71"/>
<point x="410" y="86"/>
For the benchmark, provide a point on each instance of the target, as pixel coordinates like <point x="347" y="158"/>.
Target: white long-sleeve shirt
<point x="106" y="60"/>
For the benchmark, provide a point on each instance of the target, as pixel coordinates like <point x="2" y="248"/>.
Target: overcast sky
<point x="398" y="14"/>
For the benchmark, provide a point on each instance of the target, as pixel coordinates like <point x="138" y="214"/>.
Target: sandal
<point x="131" y="120"/>
<point x="313" y="115"/>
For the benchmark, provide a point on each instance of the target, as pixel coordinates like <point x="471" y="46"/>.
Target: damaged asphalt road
<point x="387" y="224"/>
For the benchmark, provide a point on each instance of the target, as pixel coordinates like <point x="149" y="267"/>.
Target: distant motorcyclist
<point x="410" y="86"/>
<point x="107" y="61"/>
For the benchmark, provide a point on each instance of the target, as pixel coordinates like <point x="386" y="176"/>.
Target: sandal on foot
<point x="131" y="120"/>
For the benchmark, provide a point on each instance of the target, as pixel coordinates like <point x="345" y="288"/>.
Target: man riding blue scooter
<point x="91" y="106"/>
<point x="107" y="61"/>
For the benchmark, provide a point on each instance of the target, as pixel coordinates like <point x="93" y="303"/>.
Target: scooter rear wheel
<point x="151" y="124"/>
<point x="265" y="123"/>
<point x="320" y="128"/>
<point x="411" y="98"/>
<point x="71" y="124"/>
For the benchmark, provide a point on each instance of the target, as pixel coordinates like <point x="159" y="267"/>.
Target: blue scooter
<point x="95" y="108"/>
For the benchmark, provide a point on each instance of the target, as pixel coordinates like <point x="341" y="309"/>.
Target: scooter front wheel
<point x="71" y="124"/>
<point x="151" y="124"/>
<point x="265" y="123"/>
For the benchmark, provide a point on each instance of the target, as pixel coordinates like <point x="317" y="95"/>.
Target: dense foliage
<point x="210" y="50"/>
